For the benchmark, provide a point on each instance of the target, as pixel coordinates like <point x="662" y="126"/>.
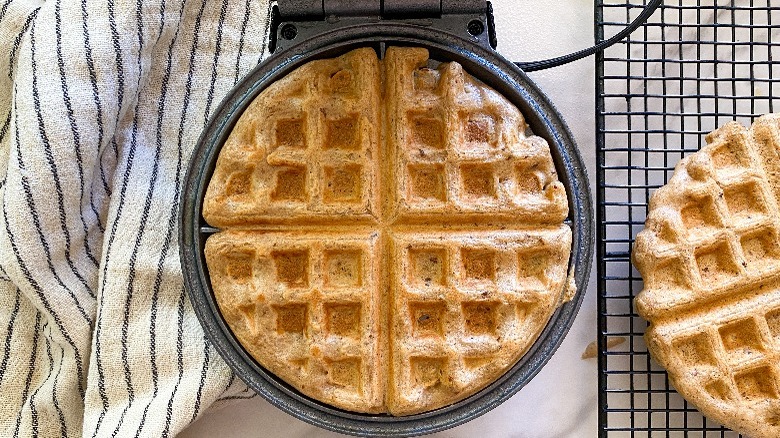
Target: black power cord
<point x="649" y="9"/>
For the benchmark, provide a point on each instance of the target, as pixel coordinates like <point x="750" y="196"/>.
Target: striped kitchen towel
<point x="101" y="103"/>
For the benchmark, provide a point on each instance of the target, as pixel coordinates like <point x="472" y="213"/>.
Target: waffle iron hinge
<point x="295" y="21"/>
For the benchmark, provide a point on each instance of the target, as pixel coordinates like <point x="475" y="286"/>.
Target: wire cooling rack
<point x="695" y="65"/>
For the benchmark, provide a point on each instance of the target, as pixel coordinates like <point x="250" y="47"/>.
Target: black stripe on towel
<point x="120" y="71"/>
<point x="121" y="203"/>
<point x="203" y="372"/>
<point x="18" y="42"/>
<point x="55" y="399"/>
<point x="98" y="112"/>
<point x="171" y="222"/>
<point x="179" y="362"/>
<point x="180" y="306"/>
<point x="4" y="129"/>
<point x="4" y="8"/>
<point x="31" y="369"/>
<point x="55" y="176"/>
<point x="240" y="42"/>
<point x="210" y="95"/>
<point x="9" y="335"/>
<point x="31" y="401"/>
<point x="215" y="62"/>
<point x="266" y="32"/>
<point x="73" y="127"/>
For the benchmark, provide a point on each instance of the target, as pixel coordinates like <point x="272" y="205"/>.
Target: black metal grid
<point x="695" y="65"/>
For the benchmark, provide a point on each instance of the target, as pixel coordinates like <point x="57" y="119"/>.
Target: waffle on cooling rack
<point x="710" y="260"/>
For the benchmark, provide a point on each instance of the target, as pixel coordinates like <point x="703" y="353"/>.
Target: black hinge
<point x="382" y="8"/>
<point x="293" y="21"/>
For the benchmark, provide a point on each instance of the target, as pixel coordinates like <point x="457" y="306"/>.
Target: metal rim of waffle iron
<point x="483" y="64"/>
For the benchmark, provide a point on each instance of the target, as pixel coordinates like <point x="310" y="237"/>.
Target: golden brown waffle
<point x="459" y="149"/>
<point x="465" y="306"/>
<point x="417" y="254"/>
<point x="307" y="306"/>
<point x="305" y="150"/>
<point x="710" y="261"/>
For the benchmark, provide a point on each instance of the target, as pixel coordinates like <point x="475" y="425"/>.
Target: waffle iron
<point x="462" y="31"/>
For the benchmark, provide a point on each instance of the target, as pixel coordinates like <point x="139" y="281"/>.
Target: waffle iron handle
<point x="649" y="9"/>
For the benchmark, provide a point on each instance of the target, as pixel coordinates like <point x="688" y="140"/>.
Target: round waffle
<point x="393" y="235"/>
<point x="710" y="261"/>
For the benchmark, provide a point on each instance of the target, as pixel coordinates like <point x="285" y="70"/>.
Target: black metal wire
<point x="695" y="65"/>
<point x="648" y="10"/>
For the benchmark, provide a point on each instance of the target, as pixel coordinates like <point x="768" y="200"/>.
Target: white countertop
<point x="561" y="401"/>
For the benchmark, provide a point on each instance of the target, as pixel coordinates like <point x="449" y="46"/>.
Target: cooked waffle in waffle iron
<point x="393" y="235"/>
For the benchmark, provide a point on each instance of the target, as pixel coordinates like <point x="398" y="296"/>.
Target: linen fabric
<point x="101" y="104"/>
